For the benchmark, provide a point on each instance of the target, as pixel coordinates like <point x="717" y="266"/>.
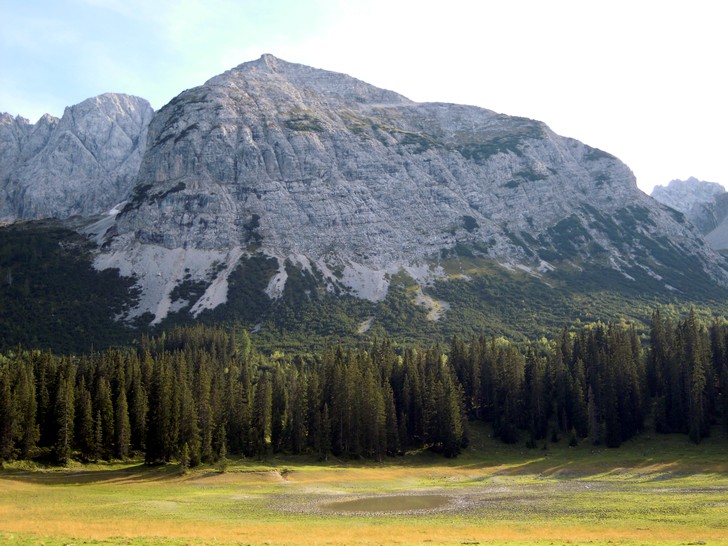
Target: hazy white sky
<point x="643" y="80"/>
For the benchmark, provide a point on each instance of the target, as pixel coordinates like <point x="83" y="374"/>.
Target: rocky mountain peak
<point x="83" y="163"/>
<point x="354" y="184"/>
<point x="682" y="195"/>
<point x="327" y="86"/>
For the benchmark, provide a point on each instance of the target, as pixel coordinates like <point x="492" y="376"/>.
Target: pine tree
<point x="297" y="422"/>
<point x="159" y="420"/>
<point x="64" y="407"/>
<point x="391" y="422"/>
<point x="138" y="405"/>
<point x="98" y="445"/>
<point x="46" y="371"/>
<point x="85" y="438"/>
<point x="452" y="418"/>
<point x="324" y="447"/>
<point x="189" y="433"/>
<point x="7" y="416"/>
<point x="122" y="426"/>
<point x="279" y="405"/>
<point x="26" y="410"/>
<point x="206" y="418"/>
<point x="184" y="460"/>
<point x="535" y="396"/>
<point x="222" y="460"/>
<point x="106" y="407"/>
<point x="261" y="416"/>
<point x="595" y="428"/>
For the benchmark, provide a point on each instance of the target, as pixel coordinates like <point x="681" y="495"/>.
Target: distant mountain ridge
<point x="81" y="164"/>
<point x="705" y="204"/>
<point x="682" y="195"/>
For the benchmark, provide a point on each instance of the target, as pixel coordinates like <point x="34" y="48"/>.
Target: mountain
<point x="704" y="204"/>
<point x="81" y="164"/>
<point x="323" y="172"/>
<point x="683" y="195"/>
<point x="301" y="202"/>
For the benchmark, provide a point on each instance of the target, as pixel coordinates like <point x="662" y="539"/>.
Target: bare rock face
<point x="82" y="164"/>
<point x="704" y="204"/>
<point x="323" y="163"/>
<point x="325" y="171"/>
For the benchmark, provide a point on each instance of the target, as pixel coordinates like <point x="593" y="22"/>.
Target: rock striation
<point x="356" y="183"/>
<point x="81" y="164"/>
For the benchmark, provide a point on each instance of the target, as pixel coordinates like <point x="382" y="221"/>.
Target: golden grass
<point x="352" y="532"/>
<point x="632" y="496"/>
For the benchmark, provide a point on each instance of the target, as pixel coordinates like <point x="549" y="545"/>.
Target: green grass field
<point x="653" y="490"/>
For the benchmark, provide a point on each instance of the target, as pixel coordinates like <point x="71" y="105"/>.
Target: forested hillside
<point x="199" y="394"/>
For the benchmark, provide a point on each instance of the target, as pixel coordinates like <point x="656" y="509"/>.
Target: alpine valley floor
<point x="655" y="489"/>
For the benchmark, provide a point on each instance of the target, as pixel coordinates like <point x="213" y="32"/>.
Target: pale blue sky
<point x="643" y="80"/>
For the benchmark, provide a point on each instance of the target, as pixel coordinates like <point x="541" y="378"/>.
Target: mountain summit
<point x="352" y="184"/>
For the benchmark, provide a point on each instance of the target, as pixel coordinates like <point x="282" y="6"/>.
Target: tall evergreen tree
<point x="7" y="416"/>
<point x="64" y="406"/>
<point x="279" y="406"/>
<point x="122" y="426"/>
<point x="26" y="410"/>
<point x="159" y="418"/>
<point x="261" y="416"/>
<point x="85" y="433"/>
<point x="106" y="407"/>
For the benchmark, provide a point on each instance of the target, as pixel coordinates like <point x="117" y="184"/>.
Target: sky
<point x="643" y="80"/>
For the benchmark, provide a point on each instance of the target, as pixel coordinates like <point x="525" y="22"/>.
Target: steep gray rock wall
<point x="320" y="164"/>
<point x="325" y="171"/>
<point x="83" y="163"/>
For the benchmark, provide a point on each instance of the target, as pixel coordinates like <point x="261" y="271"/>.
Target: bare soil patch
<point x="389" y="504"/>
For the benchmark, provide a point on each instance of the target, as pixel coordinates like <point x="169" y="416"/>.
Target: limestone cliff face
<point x="326" y="171"/>
<point x="81" y="164"/>
<point x="315" y="162"/>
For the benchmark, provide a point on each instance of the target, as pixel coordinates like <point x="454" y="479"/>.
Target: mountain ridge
<point x="80" y="164"/>
<point x="704" y="204"/>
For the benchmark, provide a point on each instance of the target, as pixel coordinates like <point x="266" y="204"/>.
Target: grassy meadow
<point x="653" y="490"/>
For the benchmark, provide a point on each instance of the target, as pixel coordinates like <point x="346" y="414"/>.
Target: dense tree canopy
<point x="197" y="394"/>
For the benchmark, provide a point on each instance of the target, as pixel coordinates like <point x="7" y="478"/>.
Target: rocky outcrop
<point x="322" y="170"/>
<point x="81" y="164"/>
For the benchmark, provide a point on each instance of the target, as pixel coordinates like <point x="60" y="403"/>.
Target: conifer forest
<point x="199" y="394"/>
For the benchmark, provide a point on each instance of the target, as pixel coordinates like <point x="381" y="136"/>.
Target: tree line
<point x="197" y="394"/>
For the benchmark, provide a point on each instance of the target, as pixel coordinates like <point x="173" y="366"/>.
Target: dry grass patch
<point x="648" y="492"/>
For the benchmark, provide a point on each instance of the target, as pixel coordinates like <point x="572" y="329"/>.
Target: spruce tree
<point x="26" y="410"/>
<point x="64" y="408"/>
<point x="106" y="407"/>
<point x="184" y="459"/>
<point x="85" y="434"/>
<point x="279" y="405"/>
<point x="261" y="416"/>
<point x="122" y="426"/>
<point x="7" y="416"/>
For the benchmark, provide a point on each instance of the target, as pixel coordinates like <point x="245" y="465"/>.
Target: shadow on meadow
<point x="93" y="475"/>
